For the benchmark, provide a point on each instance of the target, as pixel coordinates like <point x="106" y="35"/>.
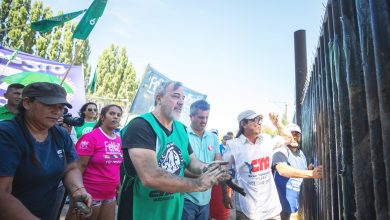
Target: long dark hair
<point x="20" y="119"/>
<point x="103" y="112"/>
<point x="84" y="107"/>
<point x="241" y="127"/>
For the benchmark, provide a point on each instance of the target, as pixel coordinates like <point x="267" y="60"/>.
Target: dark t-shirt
<point x="35" y="185"/>
<point x="140" y="134"/>
<point x="277" y="158"/>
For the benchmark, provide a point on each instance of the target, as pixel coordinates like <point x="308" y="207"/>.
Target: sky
<point x="240" y="53"/>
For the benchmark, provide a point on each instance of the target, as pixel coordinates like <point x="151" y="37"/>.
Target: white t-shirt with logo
<point x="253" y="172"/>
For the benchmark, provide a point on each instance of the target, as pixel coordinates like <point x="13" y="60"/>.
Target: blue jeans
<point x="192" y="211"/>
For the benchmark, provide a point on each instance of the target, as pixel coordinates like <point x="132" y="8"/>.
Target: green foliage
<point x="5" y="7"/>
<point x="116" y="78"/>
<point x="55" y="50"/>
<point x="30" y="35"/>
<point x="56" y="44"/>
<point x="43" y="40"/>
<point x="18" y="15"/>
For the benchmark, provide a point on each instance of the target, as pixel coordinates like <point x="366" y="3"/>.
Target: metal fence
<point x="344" y="111"/>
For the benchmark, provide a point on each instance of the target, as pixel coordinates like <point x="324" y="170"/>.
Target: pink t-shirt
<point x="102" y="173"/>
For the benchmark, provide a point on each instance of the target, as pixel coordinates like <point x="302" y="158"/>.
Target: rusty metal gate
<point x="343" y="107"/>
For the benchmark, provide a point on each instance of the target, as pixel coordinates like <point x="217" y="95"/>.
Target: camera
<point x="72" y="121"/>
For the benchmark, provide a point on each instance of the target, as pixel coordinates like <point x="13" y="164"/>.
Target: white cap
<point x="247" y="114"/>
<point x="293" y="127"/>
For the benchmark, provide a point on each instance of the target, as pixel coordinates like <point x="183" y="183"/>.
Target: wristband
<point x="81" y="187"/>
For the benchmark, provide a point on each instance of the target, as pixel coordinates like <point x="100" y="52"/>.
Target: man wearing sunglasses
<point x="250" y="156"/>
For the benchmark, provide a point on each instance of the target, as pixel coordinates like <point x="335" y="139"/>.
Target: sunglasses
<point x="92" y="109"/>
<point x="257" y="120"/>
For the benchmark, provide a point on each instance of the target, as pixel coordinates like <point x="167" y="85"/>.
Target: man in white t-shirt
<point x="250" y="153"/>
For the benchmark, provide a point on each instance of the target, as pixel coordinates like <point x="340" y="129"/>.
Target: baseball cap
<point x="247" y="114"/>
<point x="293" y="127"/>
<point x="227" y="137"/>
<point x="47" y="93"/>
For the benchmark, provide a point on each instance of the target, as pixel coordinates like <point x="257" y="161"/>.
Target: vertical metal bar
<point x="380" y="27"/>
<point x="334" y="114"/>
<point x="375" y="129"/>
<point x="324" y="127"/>
<point x="349" y="207"/>
<point x="300" y="71"/>
<point x="330" y="133"/>
<point x="358" y="114"/>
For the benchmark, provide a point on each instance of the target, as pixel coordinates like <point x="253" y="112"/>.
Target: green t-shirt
<point x="5" y="114"/>
<point x="86" y="128"/>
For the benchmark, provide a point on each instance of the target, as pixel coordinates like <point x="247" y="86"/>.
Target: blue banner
<point x="144" y="99"/>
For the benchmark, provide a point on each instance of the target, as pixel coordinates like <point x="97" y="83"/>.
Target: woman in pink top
<point x="100" y="157"/>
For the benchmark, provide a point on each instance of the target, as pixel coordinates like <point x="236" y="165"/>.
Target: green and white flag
<point x="89" y="19"/>
<point x="92" y="81"/>
<point x="47" y="24"/>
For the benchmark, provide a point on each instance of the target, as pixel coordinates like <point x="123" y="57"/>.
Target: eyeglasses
<point x="92" y="109"/>
<point x="257" y="120"/>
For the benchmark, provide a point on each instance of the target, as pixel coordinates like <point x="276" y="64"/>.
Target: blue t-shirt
<point x="205" y="149"/>
<point x="34" y="185"/>
<point x="289" y="188"/>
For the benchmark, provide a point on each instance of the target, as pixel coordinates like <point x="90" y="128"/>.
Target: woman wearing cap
<point x="100" y="157"/>
<point x="36" y="154"/>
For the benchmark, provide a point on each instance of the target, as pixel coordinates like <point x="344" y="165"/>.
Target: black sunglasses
<point x="92" y="109"/>
<point x="257" y="120"/>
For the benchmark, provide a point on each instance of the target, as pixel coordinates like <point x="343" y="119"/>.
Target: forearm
<point x="283" y="132"/>
<point x="168" y="182"/>
<point x="73" y="180"/>
<point x="12" y="208"/>
<point x="291" y="172"/>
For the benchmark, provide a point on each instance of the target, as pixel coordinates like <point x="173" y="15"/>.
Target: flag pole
<point x="73" y="61"/>
<point x="10" y="28"/>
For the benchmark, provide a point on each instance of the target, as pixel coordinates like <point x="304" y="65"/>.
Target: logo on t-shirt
<point x="83" y="145"/>
<point x="86" y="130"/>
<point x="60" y="154"/>
<point x="112" y="147"/>
<point x="258" y="164"/>
<point x="171" y="159"/>
<point x="210" y="147"/>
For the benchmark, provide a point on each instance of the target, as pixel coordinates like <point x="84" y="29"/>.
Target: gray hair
<point x="162" y="88"/>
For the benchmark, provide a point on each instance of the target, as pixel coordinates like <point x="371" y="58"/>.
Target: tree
<point x="18" y="15"/>
<point x="4" y="12"/>
<point x="116" y="78"/>
<point x="30" y="35"/>
<point x="55" y="49"/>
<point x="44" y="39"/>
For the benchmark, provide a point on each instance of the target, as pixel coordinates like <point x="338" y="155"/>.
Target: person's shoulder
<point x="137" y="122"/>
<point x="265" y="137"/>
<point x="60" y="129"/>
<point x="235" y="142"/>
<point x="8" y="125"/>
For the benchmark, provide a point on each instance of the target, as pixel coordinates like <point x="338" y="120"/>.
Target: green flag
<point x="89" y="19"/>
<point x="47" y="24"/>
<point x="92" y="82"/>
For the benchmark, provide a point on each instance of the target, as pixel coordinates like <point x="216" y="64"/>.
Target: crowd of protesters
<point x="169" y="170"/>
